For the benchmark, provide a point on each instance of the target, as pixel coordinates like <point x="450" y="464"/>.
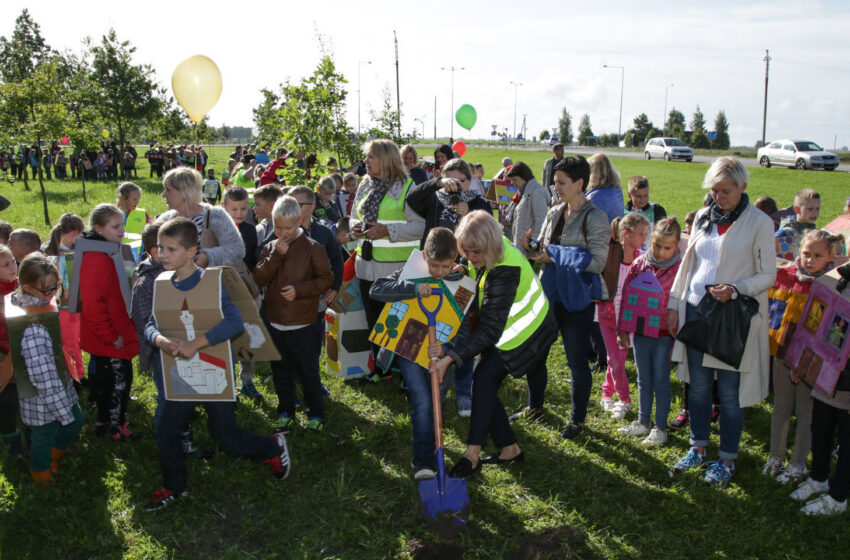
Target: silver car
<point x="800" y="154"/>
<point x="668" y="148"/>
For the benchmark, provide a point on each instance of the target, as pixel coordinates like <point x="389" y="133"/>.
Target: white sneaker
<point x="607" y="404"/>
<point x="620" y="410"/>
<point x="656" y="438"/>
<point x="808" y="489"/>
<point x="792" y="472"/>
<point x="824" y="505"/>
<point x="634" y="429"/>
<point x="772" y="467"/>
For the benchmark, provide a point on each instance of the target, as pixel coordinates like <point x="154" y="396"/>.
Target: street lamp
<point x="516" y="87"/>
<point x="664" y="121"/>
<point x="452" y="114"/>
<point x="622" y="80"/>
<point x="359" y="64"/>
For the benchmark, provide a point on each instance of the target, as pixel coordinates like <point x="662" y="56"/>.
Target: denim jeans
<point x="159" y="383"/>
<point x="652" y="358"/>
<point x="418" y="382"/>
<point x="463" y="379"/>
<point x="221" y="419"/>
<point x="575" y="329"/>
<point x="699" y="402"/>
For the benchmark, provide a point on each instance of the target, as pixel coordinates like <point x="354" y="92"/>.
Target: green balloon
<point x="466" y="116"/>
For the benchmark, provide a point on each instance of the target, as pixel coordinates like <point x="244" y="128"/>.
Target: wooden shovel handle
<point x="436" y="401"/>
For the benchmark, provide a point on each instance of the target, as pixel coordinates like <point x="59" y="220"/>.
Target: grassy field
<point x="351" y="493"/>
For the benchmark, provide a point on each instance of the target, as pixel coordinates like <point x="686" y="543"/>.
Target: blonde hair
<point x="286" y="208"/>
<point x="102" y="213"/>
<point x="805" y="195"/>
<point x="187" y="181"/>
<point x="629" y="222"/>
<point x="327" y="184"/>
<point x="726" y="167"/>
<point x="668" y="227"/>
<point x="822" y="236"/>
<point x="480" y="231"/>
<point x="637" y="183"/>
<point x="124" y="189"/>
<point x="392" y="168"/>
<point x="602" y="172"/>
<point x="409" y="149"/>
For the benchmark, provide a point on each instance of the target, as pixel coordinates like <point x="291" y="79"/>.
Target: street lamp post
<point x="359" y="64"/>
<point x="452" y="113"/>
<point x="516" y="87"/>
<point x="622" y="81"/>
<point x="664" y="120"/>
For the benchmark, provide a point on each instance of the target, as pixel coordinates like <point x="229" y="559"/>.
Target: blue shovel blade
<point x="443" y="498"/>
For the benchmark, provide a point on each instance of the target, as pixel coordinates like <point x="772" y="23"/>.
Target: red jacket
<point x="270" y="174"/>
<point x="5" y="289"/>
<point x="104" y="313"/>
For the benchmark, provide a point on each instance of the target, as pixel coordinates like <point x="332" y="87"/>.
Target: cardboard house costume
<point x="347" y="331"/>
<point x="121" y="255"/>
<point x="402" y="327"/>
<point x="208" y="375"/>
<point x="785" y="306"/>
<point x="640" y="308"/>
<point x="819" y="346"/>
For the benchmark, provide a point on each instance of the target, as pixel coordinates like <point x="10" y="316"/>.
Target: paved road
<point x="749" y="162"/>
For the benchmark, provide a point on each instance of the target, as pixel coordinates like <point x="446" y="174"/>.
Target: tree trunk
<point x="83" y="176"/>
<point x="43" y="197"/>
<point x="26" y="183"/>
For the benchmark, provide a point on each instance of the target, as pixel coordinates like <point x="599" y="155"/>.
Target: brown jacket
<point x="306" y="268"/>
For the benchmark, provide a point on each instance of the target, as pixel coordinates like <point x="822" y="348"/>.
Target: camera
<point x="454" y="198"/>
<point x="534" y="245"/>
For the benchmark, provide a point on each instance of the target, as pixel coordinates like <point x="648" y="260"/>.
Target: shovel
<point x="444" y="500"/>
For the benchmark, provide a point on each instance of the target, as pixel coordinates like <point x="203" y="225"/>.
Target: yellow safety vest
<point x="530" y="304"/>
<point x="390" y="211"/>
<point x="133" y="226"/>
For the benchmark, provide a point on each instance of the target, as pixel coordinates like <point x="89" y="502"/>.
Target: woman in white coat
<point x="731" y="248"/>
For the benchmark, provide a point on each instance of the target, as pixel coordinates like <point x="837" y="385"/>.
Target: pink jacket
<point x="665" y="277"/>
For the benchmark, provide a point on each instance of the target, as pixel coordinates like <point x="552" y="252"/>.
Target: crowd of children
<point x="295" y="244"/>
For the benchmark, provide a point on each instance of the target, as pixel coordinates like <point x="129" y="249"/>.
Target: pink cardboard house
<point x="640" y="309"/>
<point x="819" y="347"/>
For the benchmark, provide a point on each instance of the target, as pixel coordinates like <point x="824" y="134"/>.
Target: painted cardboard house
<point x="402" y="327"/>
<point x="819" y="346"/>
<point x="347" y="331"/>
<point x="640" y="309"/>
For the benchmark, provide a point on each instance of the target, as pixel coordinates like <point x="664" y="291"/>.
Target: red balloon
<point x="459" y="147"/>
<point x="65" y="139"/>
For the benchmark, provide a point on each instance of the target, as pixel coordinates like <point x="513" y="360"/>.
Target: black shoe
<point x="527" y="413"/>
<point x="494" y="459"/>
<point x="572" y="431"/>
<point x="463" y="468"/>
<point x="679" y="421"/>
<point x="163" y="498"/>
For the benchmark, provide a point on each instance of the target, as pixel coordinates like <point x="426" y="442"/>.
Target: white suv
<point x="800" y="154"/>
<point x="668" y="148"/>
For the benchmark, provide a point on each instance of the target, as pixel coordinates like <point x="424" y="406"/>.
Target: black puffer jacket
<point x="484" y="325"/>
<point x="423" y="199"/>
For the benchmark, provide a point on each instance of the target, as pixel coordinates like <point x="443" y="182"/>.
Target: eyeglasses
<point x="305" y="204"/>
<point x="48" y="290"/>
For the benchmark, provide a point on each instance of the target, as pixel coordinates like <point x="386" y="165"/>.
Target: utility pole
<point x="664" y="119"/>
<point x="516" y="88"/>
<point x="435" y="118"/>
<point x="397" y="90"/>
<point x="359" y="64"/>
<point x="764" y="114"/>
<point x="452" y="113"/>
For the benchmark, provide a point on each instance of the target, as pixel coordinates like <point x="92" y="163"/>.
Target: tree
<point x="20" y="55"/>
<point x="544" y="134"/>
<point x="642" y="127"/>
<point x="584" y="130"/>
<point x="675" y="121"/>
<point x="698" y="120"/>
<point x="699" y="139"/>
<point x="388" y="118"/>
<point x="565" y="133"/>
<point x="126" y="94"/>
<point x="721" y="127"/>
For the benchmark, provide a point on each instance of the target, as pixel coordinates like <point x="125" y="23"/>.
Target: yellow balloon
<point x="104" y="133"/>
<point x="196" y="83"/>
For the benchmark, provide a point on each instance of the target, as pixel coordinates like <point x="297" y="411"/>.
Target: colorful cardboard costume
<point x="640" y="308"/>
<point x="787" y="247"/>
<point x="819" y="346"/>
<point x="501" y="191"/>
<point x="346" y="330"/>
<point x="122" y="257"/>
<point x="208" y="375"/>
<point x="402" y="327"/>
<point x="840" y="226"/>
<point x="785" y="306"/>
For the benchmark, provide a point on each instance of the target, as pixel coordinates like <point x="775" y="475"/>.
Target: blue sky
<point x="712" y="54"/>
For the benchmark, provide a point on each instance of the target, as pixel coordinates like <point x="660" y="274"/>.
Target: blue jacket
<point x="609" y="200"/>
<point x="564" y="280"/>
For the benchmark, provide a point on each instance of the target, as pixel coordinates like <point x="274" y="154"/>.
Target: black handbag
<point x="720" y="328"/>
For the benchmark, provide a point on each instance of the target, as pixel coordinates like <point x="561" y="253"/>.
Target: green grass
<point x="351" y="493"/>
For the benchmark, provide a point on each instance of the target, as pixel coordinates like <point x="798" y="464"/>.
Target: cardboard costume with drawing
<point x="346" y="330"/>
<point x="402" y="327"/>
<point x="185" y="315"/>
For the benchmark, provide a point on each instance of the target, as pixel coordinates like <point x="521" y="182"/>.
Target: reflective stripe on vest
<point x="390" y="211"/>
<point x="530" y="304"/>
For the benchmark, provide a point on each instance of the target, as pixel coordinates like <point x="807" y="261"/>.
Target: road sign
<point x="712" y="135"/>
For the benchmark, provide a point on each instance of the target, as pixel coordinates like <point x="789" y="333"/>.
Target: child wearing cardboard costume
<point x="787" y="300"/>
<point x="177" y="246"/>
<point x="295" y="270"/>
<point x="52" y="413"/>
<point x="106" y="331"/>
<point x="440" y="252"/>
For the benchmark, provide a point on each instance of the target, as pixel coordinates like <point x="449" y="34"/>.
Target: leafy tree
<point x="699" y="139"/>
<point x="642" y="127"/>
<point x="721" y="126"/>
<point x="20" y="55"/>
<point x="698" y="120"/>
<point x="388" y="118"/>
<point x="675" y="119"/>
<point x="565" y="133"/>
<point x="652" y="133"/>
<point x="266" y="117"/>
<point x="584" y="129"/>
<point x="544" y="134"/>
<point x="126" y="94"/>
